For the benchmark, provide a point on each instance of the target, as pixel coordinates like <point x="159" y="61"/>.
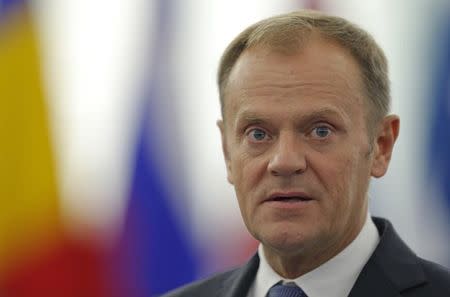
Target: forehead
<point x="321" y="72"/>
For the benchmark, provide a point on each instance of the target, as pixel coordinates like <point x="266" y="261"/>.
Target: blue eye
<point x="257" y="134"/>
<point x="322" y="131"/>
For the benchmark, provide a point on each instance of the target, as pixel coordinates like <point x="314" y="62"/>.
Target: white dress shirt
<point x="334" y="278"/>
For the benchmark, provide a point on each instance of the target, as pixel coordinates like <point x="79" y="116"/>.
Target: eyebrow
<point x="252" y="117"/>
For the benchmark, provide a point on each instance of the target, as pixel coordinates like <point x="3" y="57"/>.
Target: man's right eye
<point x="257" y="134"/>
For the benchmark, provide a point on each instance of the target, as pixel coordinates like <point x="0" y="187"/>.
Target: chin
<point x="287" y="241"/>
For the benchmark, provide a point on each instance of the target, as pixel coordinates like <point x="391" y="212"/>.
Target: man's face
<point x="297" y="148"/>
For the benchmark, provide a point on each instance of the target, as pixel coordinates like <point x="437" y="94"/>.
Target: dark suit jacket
<point x="393" y="270"/>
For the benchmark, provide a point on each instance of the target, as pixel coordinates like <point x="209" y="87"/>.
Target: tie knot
<point x="280" y="290"/>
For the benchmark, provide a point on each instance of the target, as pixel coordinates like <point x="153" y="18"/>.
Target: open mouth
<point x="289" y="199"/>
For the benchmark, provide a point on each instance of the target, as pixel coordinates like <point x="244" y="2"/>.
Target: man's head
<point x="304" y="129"/>
<point x="290" y="32"/>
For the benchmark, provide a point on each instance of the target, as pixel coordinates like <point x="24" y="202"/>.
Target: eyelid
<point x="318" y="127"/>
<point x="322" y="124"/>
<point x="252" y="127"/>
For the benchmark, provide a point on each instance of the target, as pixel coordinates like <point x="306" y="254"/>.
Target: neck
<point x="293" y="265"/>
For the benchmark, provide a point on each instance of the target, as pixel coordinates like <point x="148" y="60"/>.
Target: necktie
<point x="280" y="290"/>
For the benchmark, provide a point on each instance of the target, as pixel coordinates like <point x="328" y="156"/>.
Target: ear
<point x="226" y="153"/>
<point x="384" y="144"/>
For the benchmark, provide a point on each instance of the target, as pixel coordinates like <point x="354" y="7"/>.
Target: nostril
<point x="287" y="172"/>
<point x="300" y="171"/>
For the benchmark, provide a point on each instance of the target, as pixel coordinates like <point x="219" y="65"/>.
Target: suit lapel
<point x="392" y="268"/>
<point x="373" y="283"/>
<point x="239" y="282"/>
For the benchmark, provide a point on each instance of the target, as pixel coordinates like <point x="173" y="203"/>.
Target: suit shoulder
<point x="437" y="275"/>
<point x="436" y="271"/>
<point x="201" y="288"/>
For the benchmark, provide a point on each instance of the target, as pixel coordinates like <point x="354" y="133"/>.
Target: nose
<point x="288" y="157"/>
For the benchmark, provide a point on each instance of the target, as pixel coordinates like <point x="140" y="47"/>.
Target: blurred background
<point x="112" y="178"/>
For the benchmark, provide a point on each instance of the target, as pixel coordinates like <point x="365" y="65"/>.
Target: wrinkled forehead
<point x="320" y="67"/>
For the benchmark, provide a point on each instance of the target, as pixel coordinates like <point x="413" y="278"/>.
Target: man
<point x="305" y="101"/>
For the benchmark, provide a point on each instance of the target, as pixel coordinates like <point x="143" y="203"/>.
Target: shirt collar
<point x="335" y="277"/>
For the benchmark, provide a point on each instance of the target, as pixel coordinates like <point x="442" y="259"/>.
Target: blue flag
<point x="440" y="127"/>
<point x="156" y="254"/>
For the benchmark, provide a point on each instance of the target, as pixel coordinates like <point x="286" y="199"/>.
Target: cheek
<point x="350" y="181"/>
<point x="333" y="172"/>
<point x="248" y="173"/>
<point x="336" y="174"/>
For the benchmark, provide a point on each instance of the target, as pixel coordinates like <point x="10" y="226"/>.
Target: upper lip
<point x="288" y="194"/>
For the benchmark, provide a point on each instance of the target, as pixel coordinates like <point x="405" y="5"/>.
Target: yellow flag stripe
<point x="28" y="192"/>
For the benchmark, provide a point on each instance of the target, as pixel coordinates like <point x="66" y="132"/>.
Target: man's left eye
<point x="321" y="131"/>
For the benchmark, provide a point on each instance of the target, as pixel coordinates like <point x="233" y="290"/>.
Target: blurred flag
<point x="29" y="206"/>
<point x="439" y="153"/>
<point x="36" y="257"/>
<point x="156" y="254"/>
<point x="155" y="251"/>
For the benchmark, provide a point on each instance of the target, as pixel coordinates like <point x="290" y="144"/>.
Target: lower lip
<point x="288" y="204"/>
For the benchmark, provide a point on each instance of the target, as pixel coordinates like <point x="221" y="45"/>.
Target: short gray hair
<point x="289" y="31"/>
